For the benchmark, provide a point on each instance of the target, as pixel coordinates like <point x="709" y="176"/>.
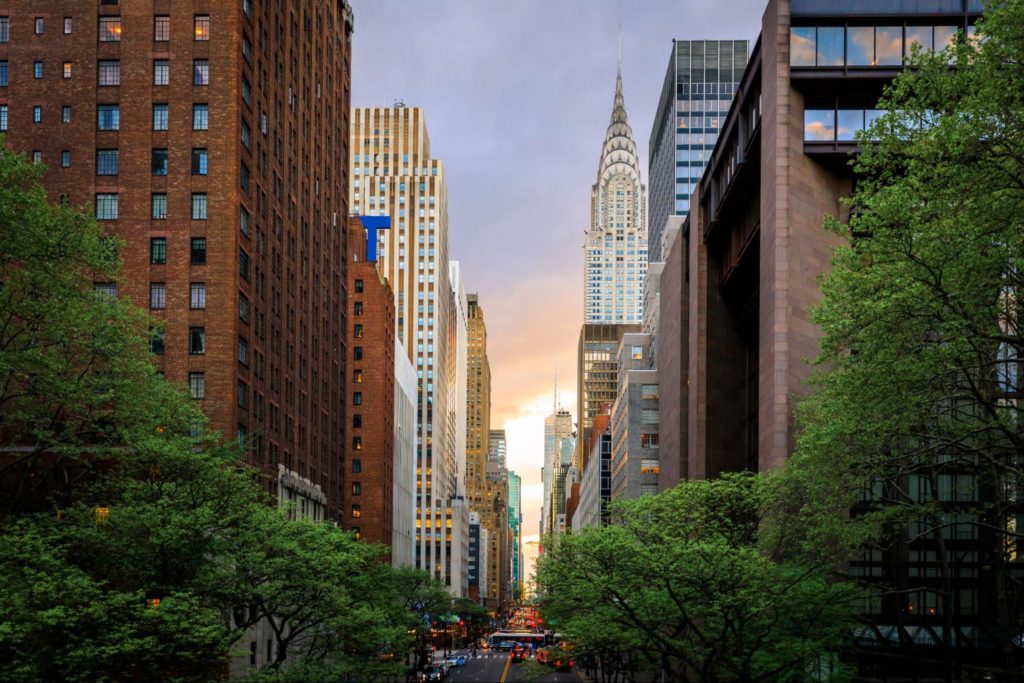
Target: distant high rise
<point x="557" y="428"/>
<point x="701" y="79"/>
<point x="394" y="174"/>
<point x="616" y="245"/>
<point x="515" y="523"/>
<point x="597" y="379"/>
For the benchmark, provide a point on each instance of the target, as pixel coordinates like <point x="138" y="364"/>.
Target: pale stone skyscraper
<point x="394" y="174"/>
<point x="616" y="245"/>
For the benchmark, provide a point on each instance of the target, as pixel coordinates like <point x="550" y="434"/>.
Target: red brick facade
<point x="231" y="126"/>
<point x="369" y="467"/>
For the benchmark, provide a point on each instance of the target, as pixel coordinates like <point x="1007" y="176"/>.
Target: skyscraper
<point x="393" y="173"/>
<point x="699" y="85"/>
<point x="515" y="523"/>
<point x="616" y="245"/>
<point x="171" y="123"/>
<point x="557" y="428"/>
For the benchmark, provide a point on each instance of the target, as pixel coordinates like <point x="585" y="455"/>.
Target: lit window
<point x="67" y="70"/>
<point x="110" y="29"/>
<point x="37" y="70"/>
<point x="202" y="26"/>
<point x="67" y="25"/>
<point x="37" y="114"/>
<point x="356" y="511"/>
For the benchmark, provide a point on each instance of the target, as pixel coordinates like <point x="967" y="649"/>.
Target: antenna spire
<point x="618" y="58"/>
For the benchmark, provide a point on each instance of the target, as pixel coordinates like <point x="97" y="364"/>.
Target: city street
<point x="495" y="667"/>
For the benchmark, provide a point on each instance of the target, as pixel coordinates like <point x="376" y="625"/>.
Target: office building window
<point x="158" y="205"/>
<point x="65" y="114"/>
<point x="107" y="162"/>
<point x="160" y="161"/>
<point x="202" y="26"/>
<point x="110" y="29"/>
<point x="108" y="117"/>
<point x="108" y="288"/>
<point x="158" y="250"/>
<point x="357" y="353"/>
<point x="160" y="116"/>
<point x="39" y="26"/>
<point x="649" y="416"/>
<point x="243" y="351"/>
<point x="4" y="74"/>
<point x="37" y="114"/>
<point x="67" y="25"/>
<point x="199" y="158"/>
<point x="243" y="308"/>
<point x="358" y="308"/>
<point x="243" y="395"/>
<point x="243" y="264"/>
<point x="198" y="251"/>
<point x="199" y="206"/>
<point x="106" y="206"/>
<point x="156" y="342"/>
<point x="5" y="29"/>
<point x="108" y="72"/>
<point x="197" y="295"/>
<point x="197" y="385"/>
<point x="357" y="398"/>
<point x="37" y="156"/>
<point x="200" y="117"/>
<point x="356" y="511"/>
<point x="648" y="441"/>
<point x="65" y="158"/>
<point x="157" y="296"/>
<point x="200" y="72"/>
<point x="357" y="466"/>
<point x="648" y="391"/>
<point x="3" y="117"/>
<point x="161" y="28"/>
<point x="37" y="70"/>
<point x="357" y="488"/>
<point x="67" y="70"/>
<point x="359" y="286"/>
<point x="357" y="331"/>
<point x="161" y="72"/>
<point x="357" y="376"/>
<point x="244" y="178"/>
<point x="357" y="443"/>
<point x="243" y="221"/>
<point x="357" y="421"/>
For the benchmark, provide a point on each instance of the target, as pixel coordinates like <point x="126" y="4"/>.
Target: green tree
<point x="916" y="417"/>
<point x="688" y="581"/>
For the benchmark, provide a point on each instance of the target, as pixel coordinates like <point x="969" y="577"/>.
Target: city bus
<point x="505" y="640"/>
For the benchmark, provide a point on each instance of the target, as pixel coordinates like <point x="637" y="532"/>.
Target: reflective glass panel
<point x="860" y="46"/>
<point x="944" y="36"/>
<point x="889" y="45"/>
<point x="820" y="125"/>
<point x="801" y="46"/>
<point x="919" y="35"/>
<point x="850" y="121"/>
<point x="830" y="46"/>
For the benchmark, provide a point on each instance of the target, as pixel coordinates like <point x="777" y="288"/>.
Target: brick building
<point x="369" y="473"/>
<point x="212" y="139"/>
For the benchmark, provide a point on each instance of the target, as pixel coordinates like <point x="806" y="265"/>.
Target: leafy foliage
<point x="684" y="580"/>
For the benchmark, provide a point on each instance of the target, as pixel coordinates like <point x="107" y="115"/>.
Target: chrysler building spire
<point x="616" y="247"/>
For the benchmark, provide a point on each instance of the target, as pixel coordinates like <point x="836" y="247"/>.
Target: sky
<point x="517" y="96"/>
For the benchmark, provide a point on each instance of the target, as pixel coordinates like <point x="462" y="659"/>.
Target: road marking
<point x="504" y="673"/>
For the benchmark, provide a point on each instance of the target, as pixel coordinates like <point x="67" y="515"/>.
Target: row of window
<point x="865" y="45"/>
<point x="158" y="251"/>
<point x="107" y="206"/>
<point x="108" y="161"/>
<point x="108" y="116"/>
<point x="110" y="28"/>
<point x="158" y="296"/>
<point x="108" y="71"/>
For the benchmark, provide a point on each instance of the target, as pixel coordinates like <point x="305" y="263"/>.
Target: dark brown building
<point x="212" y="139"/>
<point x="740" y="281"/>
<point x="369" y="468"/>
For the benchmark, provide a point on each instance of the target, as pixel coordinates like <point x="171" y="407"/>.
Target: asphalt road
<point x="496" y="667"/>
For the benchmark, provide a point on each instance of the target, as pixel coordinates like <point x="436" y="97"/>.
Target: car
<point x="519" y="652"/>
<point x="454" y="660"/>
<point x="432" y="673"/>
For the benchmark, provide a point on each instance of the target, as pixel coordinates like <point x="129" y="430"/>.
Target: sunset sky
<point x="517" y="96"/>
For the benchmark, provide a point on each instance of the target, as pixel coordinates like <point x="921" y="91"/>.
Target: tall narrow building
<point x="557" y="428"/>
<point x="515" y="524"/>
<point x="222" y="169"/>
<point x="616" y="245"/>
<point x="394" y="174"/>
